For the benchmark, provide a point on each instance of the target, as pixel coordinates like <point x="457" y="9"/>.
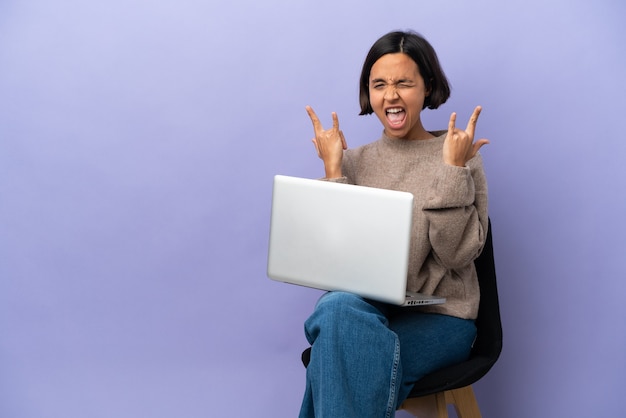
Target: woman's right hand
<point x="329" y="144"/>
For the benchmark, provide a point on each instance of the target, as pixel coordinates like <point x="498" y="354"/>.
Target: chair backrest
<point x="488" y="344"/>
<point x="489" y="339"/>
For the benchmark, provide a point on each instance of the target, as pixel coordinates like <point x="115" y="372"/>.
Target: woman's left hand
<point x="459" y="146"/>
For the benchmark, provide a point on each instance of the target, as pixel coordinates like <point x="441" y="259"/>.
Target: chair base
<point x="435" y="406"/>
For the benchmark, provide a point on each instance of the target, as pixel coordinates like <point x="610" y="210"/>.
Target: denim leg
<point x="355" y="360"/>
<point x="357" y="368"/>
<point x="430" y="342"/>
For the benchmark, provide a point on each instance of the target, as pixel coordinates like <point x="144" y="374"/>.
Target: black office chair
<point x="452" y="385"/>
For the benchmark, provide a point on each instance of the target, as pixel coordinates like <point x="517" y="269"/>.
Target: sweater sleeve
<point x="457" y="214"/>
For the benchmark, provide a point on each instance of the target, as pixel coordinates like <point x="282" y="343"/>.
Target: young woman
<point x="367" y="355"/>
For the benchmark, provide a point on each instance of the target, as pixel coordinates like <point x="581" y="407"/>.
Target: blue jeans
<point x="366" y="355"/>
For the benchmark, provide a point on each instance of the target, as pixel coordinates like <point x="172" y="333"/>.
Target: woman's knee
<point x="332" y="307"/>
<point x="349" y="305"/>
<point x="339" y="311"/>
<point x="337" y="300"/>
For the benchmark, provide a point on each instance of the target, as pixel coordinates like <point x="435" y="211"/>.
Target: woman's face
<point x="397" y="93"/>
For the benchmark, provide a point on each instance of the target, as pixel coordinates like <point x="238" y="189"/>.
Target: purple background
<point x="138" y="140"/>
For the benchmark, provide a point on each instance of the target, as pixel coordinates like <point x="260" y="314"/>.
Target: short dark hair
<point x="419" y="50"/>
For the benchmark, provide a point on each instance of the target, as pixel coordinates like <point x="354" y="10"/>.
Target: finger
<point x="317" y="126"/>
<point x="317" y="148"/>
<point x="451" y="123"/>
<point x="335" y="121"/>
<point x="471" y="125"/>
<point x="477" y="145"/>
<point x="343" y="140"/>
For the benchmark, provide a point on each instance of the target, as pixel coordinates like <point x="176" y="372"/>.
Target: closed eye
<point x="400" y="84"/>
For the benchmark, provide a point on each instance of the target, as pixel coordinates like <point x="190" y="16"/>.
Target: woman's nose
<point x="391" y="93"/>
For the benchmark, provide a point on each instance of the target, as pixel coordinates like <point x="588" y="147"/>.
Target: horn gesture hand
<point x="459" y="146"/>
<point x="329" y="144"/>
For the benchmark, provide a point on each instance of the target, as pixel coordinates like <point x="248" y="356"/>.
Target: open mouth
<point x="395" y="116"/>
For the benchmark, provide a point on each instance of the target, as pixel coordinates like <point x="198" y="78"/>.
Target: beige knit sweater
<point x="449" y="217"/>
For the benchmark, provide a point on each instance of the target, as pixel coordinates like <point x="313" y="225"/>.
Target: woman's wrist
<point x="333" y="172"/>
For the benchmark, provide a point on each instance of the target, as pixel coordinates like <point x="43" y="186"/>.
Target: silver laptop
<point x="341" y="237"/>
